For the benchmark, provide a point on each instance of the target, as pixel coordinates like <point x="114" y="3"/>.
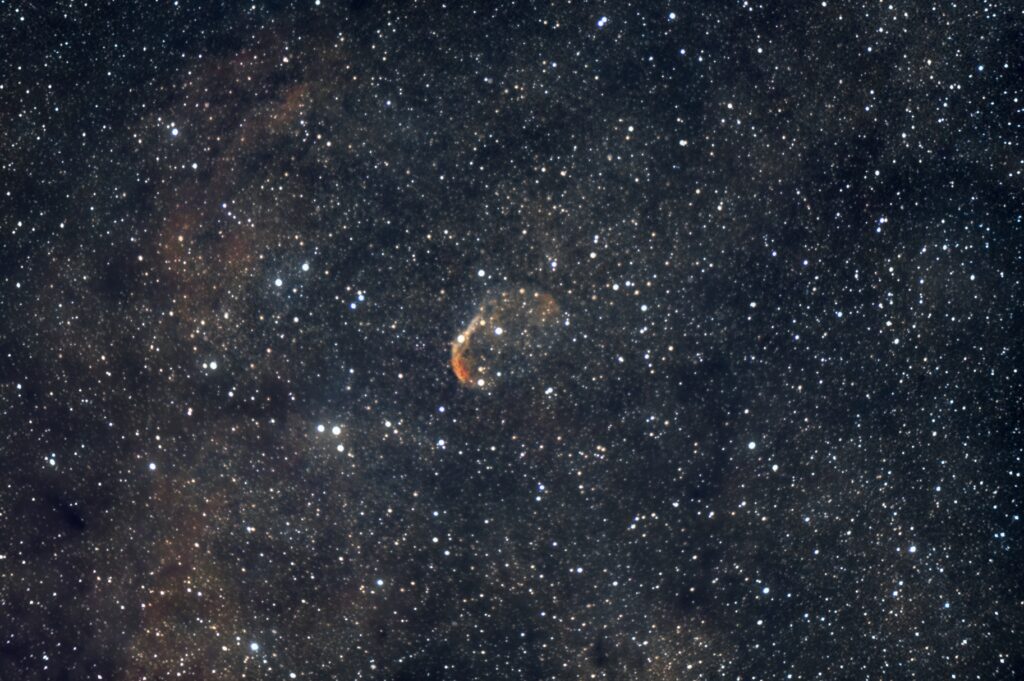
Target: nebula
<point x="510" y="332"/>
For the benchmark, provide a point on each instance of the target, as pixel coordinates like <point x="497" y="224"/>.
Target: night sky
<point x="573" y="341"/>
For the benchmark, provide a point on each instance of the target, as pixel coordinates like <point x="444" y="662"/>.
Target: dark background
<point x="779" y="438"/>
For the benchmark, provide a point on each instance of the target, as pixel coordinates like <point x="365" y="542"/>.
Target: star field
<point x="511" y="340"/>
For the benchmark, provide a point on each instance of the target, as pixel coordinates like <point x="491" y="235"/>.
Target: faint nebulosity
<point x="511" y="340"/>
